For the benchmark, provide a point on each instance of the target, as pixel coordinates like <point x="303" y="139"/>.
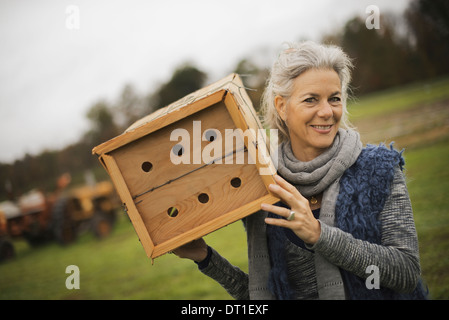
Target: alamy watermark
<point x="227" y="149"/>
<point x="73" y="280"/>
<point x="373" y="20"/>
<point x="72" y="20"/>
<point x="372" y="281"/>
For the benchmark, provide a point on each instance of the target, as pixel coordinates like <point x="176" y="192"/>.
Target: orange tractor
<point x="61" y="216"/>
<point x="7" y="209"/>
<point x="91" y="207"/>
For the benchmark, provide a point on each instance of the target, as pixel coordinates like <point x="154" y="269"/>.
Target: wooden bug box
<point x="182" y="172"/>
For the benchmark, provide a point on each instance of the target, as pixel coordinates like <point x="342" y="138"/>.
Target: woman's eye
<point x="335" y="99"/>
<point x="310" y="100"/>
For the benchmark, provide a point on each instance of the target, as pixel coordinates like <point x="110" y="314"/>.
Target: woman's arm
<point x="397" y="257"/>
<point x="212" y="264"/>
<point x="230" y="277"/>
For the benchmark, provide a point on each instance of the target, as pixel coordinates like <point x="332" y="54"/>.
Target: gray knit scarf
<point x="323" y="174"/>
<point x="313" y="177"/>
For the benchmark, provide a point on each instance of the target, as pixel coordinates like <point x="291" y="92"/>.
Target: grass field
<point x="114" y="268"/>
<point x="117" y="267"/>
<point x="428" y="183"/>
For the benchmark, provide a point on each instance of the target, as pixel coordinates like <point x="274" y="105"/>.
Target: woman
<point x="344" y="228"/>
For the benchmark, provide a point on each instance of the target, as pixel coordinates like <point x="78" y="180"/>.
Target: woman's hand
<point x="195" y="250"/>
<point x="303" y="224"/>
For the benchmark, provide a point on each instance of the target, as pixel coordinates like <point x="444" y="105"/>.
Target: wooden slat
<point x="157" y="124"/>
<point x="246" y="122"/>
<point x="241" y="98"/>
<point x="211" y="225"/>
<point x="125" y="196"/>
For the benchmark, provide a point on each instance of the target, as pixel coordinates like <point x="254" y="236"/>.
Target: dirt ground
<point x="409" y="128"/>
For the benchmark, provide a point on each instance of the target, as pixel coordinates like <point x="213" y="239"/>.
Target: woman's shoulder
<point x="376" y="166"/>
<point x="380" y="155"/>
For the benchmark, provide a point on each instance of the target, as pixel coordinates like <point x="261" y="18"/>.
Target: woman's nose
<point x="325" y="110"/>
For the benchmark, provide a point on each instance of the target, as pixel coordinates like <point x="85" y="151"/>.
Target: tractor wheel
<point x="101" y="225"/>
<point x="6" y="250"/>
<point x="64" y="228"/>
<point x="35" y="236"/>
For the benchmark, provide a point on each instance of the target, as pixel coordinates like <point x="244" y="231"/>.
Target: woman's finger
<point x="293" y="200"/>
<point x="287" y="186"/>
<point x="278" y="222"/>
<point x="280" y="211"/>
<point x="279" y="191"/>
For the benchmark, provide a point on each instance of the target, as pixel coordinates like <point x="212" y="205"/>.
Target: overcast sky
<point x="53" y="67"/>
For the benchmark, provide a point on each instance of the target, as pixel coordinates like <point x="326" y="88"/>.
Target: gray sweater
<point x="397" y="257"/>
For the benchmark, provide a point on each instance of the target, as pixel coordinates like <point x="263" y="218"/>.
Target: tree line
<point x="410" y="47"/>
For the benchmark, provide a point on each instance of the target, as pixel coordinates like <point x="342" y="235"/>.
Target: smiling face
<point x="312" y="113"/>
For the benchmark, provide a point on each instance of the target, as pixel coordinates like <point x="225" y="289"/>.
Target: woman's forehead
<point x="316" y="81"/>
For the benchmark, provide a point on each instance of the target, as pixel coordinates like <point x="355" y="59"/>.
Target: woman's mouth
<point x="322" y="128"/>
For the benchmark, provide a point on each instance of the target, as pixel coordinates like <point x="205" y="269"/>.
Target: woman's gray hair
<point x="292" y="62"/>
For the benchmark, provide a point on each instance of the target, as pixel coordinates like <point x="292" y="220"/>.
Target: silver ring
<point x="291" y="216"/>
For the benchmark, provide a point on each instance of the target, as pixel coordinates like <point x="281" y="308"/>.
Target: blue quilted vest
<point x="364" y="188"/>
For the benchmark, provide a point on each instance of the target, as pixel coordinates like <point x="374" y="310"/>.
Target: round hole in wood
<point x="203" y="198"/>
<point x="210" y="135"/>
<point x="172" y="212"/>
<point x="236" y="182"/>
<point x="178" y="150"/>
<point x="147" y="166"/>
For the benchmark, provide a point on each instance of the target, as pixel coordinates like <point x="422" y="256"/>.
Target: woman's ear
<point x="280" y="103"/>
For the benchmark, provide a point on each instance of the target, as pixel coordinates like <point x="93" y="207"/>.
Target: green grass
<point x="115" y="268"/>
<point x="399" y="99"/>
<point x="428" y="184"/>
